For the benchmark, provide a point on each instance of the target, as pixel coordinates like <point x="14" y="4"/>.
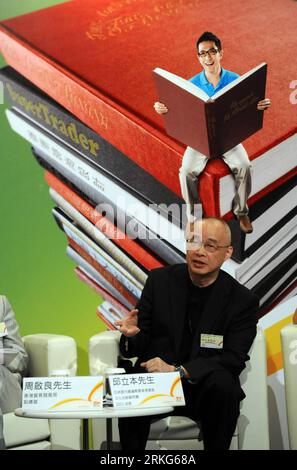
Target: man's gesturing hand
<point x="157" y="365"/>
<point x="128" y="325"/>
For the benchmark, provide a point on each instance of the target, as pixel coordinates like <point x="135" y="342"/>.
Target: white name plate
<point x="62" y="393"/>
<point x="146" y="390"/>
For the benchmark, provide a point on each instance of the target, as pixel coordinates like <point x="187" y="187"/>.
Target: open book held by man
<point x="214" y="124"/>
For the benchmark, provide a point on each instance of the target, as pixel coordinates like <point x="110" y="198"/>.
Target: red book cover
<point x="96" y="59"/>
<point x="137" y="252"/>
<point x="108" y="276"/>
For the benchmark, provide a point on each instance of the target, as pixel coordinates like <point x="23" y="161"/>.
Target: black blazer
<point x="231" y="311"/>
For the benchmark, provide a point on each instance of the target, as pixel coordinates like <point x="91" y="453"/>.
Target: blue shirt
<point x="201" y="81"/>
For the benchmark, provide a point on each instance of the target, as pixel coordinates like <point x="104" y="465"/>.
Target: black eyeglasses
<point x="212" y="52"/>
<point x="209" y="246"/>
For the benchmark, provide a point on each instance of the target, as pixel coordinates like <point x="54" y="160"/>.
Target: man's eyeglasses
<point x="209" y="246"/>
<point x="212" y="52"/>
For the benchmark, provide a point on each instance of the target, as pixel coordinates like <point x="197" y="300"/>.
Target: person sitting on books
<point x="210" y="80"/>
<point x="179" y="307"/>
<point x="13" y="363"/>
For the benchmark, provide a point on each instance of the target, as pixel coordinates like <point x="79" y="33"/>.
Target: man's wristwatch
<point x="181" y="371"/>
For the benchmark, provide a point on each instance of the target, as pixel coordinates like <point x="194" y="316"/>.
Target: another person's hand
<point x="263" y="104"/>
<point x="128" y="325"/>
<point x="157" y="365"/>
<point x="160" y="108"/>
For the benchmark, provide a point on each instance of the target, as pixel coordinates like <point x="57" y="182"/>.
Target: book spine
<point x="137" y="139"/>
<point x="99" y="238"/>
<point x="46" y="113"/>
<point x="278" y="288"/>
<point x="106" y="274"/>
<point x="105" y="312"/>
<point x="92" y="273"/>
<point x="142" y="234"/>
<point x="97" y="181"/>
<point x="260" y="258"/>
<point x="286" y="294"/>
<point x="100" y="290"/>
<point x="109" y="325"/>
<point x="110" y="312"/>
<point x="288" y="250"/>
<point x="211" y="123"/>
<point x="127" y="283"/>
<point x="269" y="215"/>
<point x="99" y="255"/>
<point x="259" y="242"/>
<point x="271" y="187"/>
<point x="129" y="246"/>
<point x="269" y="285"/>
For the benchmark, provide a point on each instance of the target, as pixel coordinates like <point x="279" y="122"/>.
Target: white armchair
<point x="289" y="353"/>
<point x="181" y="433"/>
<point x="49" y="355"/>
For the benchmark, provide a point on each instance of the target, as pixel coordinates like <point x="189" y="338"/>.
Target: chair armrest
<point x="51" y="354"/>
<point x="289" y="353"/>
<point x="253" y="422"/>
<point x="103" y="351"/>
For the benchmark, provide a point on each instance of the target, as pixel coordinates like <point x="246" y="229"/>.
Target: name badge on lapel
<point x="211" y="341"/>
<point x="3" y="329"/>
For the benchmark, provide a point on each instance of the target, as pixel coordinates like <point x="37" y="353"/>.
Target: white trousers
<point x="194" y="163"/>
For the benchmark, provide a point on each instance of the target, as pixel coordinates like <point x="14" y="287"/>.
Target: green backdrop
<point x="35" y="273"/>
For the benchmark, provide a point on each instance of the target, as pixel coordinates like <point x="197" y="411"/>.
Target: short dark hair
<point x="207" y="36"/>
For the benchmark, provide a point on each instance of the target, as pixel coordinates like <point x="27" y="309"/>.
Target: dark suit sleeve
<point x="237" y="342"/>
<point x="135" y="346"/>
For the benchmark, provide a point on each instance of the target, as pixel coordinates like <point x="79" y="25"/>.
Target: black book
<point x="47" y="113"/>
<point x="97" y="184"/>
<point x="148" y="239"/>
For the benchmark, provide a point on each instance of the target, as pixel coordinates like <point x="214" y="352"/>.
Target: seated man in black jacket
<point x="179" y="306"/>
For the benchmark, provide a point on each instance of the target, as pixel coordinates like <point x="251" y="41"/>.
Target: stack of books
<point x="82" y="93"/>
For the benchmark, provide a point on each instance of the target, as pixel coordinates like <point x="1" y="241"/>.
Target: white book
<point x="273" y="214"/>
<point x="267" y="168"/>
<point x="110" y="312"/>
<point x="99" y="237"/>
<point x="272" y="264"/>
<point x="278" y="284"/>
<point x="100" y="257"/>
<point x="96" y="276"/>
<point x="245" y="271"/>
